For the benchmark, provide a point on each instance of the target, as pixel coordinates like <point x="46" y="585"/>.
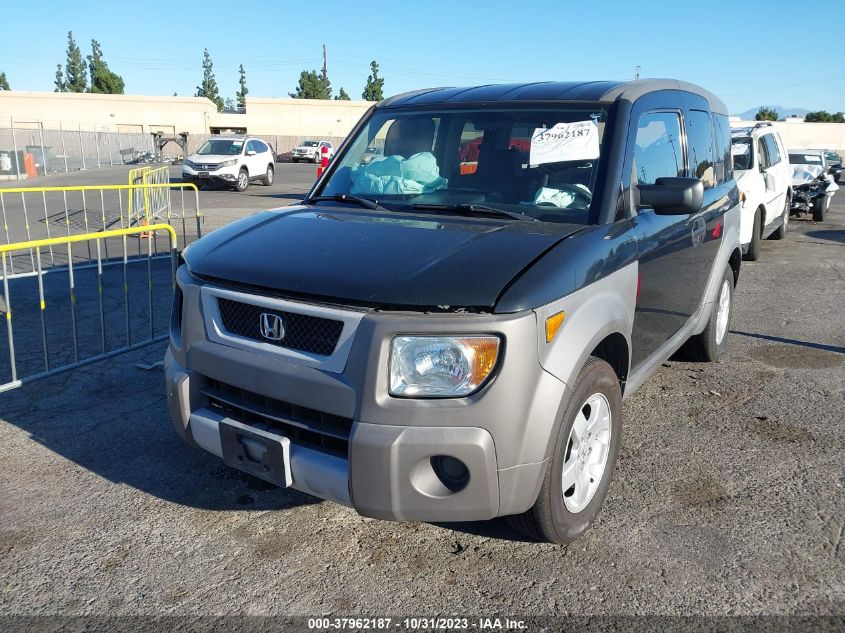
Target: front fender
<point x="592" y="314"/>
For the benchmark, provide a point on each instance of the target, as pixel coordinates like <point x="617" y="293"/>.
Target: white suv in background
<point x="311" y="151"/>
<point x="764" y="178"/>
<point x="231" y="160"/>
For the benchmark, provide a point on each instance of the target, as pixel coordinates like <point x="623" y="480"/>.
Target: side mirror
<point x="250" y="152"/>
<point x="672" y="196"/>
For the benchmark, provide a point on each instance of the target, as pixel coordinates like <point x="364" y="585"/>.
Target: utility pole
<point x="325" y="70"/>
<point x="637" y="73"/>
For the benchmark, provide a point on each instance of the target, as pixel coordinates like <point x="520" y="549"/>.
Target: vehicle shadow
<point x="111" y="418"/>
<point x="792" y="341"/>
<point x="497" y="529"/>
<point x="832" y="235"/>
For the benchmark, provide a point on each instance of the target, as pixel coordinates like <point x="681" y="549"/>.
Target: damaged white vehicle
<point x="812" y="185"/>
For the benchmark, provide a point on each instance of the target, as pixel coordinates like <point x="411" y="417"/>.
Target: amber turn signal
<point x="553" y="324"/>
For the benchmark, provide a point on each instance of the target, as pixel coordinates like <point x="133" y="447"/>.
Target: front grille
<point x="302" y="332"/>
<point x="318" y="430"/>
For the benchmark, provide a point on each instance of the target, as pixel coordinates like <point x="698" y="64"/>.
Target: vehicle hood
<point x="804" y="174"/>
<point x="305" y="148"/>
<point x="211" y="158"/>
<point x="374" y="258"/>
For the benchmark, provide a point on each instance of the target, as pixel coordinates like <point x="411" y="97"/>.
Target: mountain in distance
<point x="748" y="115"/>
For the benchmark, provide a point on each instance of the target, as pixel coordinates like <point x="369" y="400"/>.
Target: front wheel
<point x="242" y="182"/>
<point x="268" y="177"/>
<point x="780" y="232"/>
<point x="711" y="343"/>
<point x="578" y="476"/>
<point x="820" y="206"/>
<point x="753" y="253"/>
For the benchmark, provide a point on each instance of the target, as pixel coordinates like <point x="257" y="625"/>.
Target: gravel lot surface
<point x="728" y="498"/>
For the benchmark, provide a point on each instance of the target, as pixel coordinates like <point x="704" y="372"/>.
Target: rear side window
<point x="722" y="145"/>
<point x="658" y="151"/>
<point x="260" y="147"/>
<point x="763" y="154"/>
<point x="772" y="149"/>
<point x="700" y="147"/>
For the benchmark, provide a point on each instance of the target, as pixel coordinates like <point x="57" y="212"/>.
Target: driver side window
<point x="658" y="151"/>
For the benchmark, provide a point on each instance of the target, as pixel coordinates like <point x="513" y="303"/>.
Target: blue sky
<point x="780" y="53"/>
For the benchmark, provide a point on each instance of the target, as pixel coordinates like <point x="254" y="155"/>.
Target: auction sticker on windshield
<point x="565" y="141"/>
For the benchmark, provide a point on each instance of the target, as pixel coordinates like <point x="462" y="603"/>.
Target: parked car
<point x="425" y="344"/>
<point x="230" y="160"/>
<point x="834" y="162"/>
<point x="764" y="178"/>
<point x="812" y="183"/>
<point x="311" y="151"/>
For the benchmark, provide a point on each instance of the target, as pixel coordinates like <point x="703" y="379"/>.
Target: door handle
<point x="698" y="229"/>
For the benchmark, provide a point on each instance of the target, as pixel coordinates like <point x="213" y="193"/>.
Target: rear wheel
<point x="268" y="177"/>
<point x="242" y="182"/>
<point x="712" y="342"/>
<point x="753" y="253"/>
<point x="579" y="473"/>
<point x="780" y="232"/>
<point x="820" y="206"/>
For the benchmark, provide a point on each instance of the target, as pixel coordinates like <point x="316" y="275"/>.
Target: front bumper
<point x="383" y="467"/>
<point x="227" y="174"/>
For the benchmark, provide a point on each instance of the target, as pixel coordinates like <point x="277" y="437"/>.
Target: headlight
<point x="440" y="366"/>
<point x="229" y="163"/>
<point x="188" y="163"/>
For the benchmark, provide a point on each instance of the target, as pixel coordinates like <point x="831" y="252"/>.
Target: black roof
<point x="603" y="91"/>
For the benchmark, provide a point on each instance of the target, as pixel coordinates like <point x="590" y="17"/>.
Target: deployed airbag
<point x="397" y="175"/>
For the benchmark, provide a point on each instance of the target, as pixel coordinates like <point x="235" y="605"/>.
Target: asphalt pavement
<point x="728" y="498"/>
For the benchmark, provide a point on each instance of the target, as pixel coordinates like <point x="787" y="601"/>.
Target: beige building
<point x="195" y="115"/>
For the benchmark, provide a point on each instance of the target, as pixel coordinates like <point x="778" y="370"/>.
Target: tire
<point x="561" y="516"/>
<point x="712" y="342"/>
<point x="242" y="182"/>
<point x="316" y="160"/>
<point x="268" y="177"/>
<point x="820" y="206"/>
<point x="780" y="232"/>
<point x="753" y="253"/>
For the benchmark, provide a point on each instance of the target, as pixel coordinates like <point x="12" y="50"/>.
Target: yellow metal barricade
<point x="33" y="213"/>
<point x="149" y="203"/>
<point x="92" y="293"/>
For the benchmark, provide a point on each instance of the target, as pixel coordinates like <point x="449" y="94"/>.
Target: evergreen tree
<point x="60" y="85"/>
<point x="4" y="83"/>
<point x="103" y="80"/>
<point x="342" y="95"/>
<point x="76" y="79"/>
<point x="374" y="90"/>
<point x="240" y="95"/>
<point x="766" y="114"/>
<point x="312" y="85"/>
<point x="208" y="87"/>
<point x="823" y="116"/>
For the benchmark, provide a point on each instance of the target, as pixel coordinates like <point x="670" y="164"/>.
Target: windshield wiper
<point x="477" y="209"/>
<point x="345" y="197"/>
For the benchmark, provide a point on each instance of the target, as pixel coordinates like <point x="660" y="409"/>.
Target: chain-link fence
<point x="29" y="149"/>
<point x="36" y="148"/>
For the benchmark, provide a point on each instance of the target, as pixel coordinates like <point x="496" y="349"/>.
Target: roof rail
<point x="761" y="124"/>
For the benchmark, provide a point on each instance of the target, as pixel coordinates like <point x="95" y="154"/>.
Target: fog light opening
<point x="451" y="472"/>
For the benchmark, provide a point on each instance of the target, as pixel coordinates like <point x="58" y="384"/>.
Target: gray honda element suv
<point x="445" y="330"/>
